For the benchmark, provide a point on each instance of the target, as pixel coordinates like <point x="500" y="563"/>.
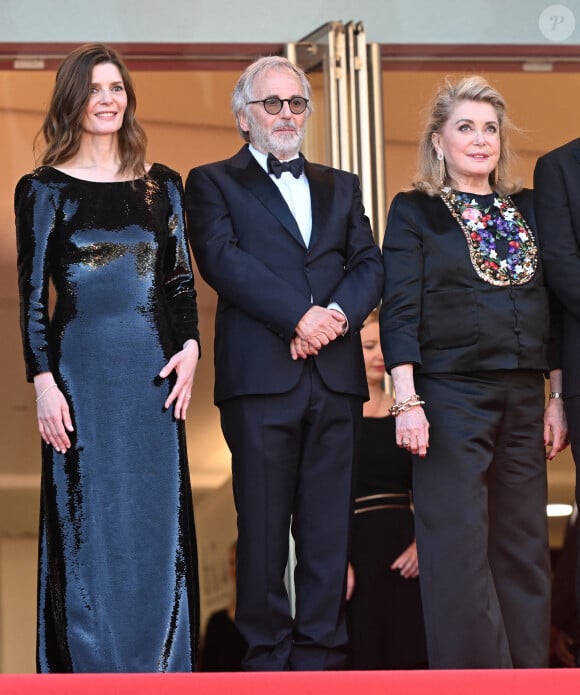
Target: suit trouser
<point x="292" y="462"/>
<point x="482" y="537"/>
<point x="572" y="407"/>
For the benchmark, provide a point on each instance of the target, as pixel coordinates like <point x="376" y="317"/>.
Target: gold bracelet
<point x="405" y="405"/>
<point x="46" y="390"/>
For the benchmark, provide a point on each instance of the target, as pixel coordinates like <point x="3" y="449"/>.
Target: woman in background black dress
<point x="113" y="368"/>
<point x="224" y="646"/>
<point x="385" y="614"/>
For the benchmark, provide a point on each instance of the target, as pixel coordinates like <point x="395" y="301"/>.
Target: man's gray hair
<point x="244" y="89"/>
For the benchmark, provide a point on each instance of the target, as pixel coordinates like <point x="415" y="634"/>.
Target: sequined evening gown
<point x="117" y="557"/>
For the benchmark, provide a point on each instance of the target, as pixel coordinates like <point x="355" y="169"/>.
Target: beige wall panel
<point x="17" y="605"/>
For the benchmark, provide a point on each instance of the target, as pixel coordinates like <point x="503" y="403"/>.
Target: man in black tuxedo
<point x="292" y="258"/>
<point x="557" y="205"/>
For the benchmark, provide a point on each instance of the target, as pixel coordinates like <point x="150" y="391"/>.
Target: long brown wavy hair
<point x="62" y="127"/>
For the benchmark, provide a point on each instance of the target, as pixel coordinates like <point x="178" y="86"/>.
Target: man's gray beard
<point x="281" y="146"/>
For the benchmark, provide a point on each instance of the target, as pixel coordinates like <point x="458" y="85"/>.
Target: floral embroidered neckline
<point x="484" y="226"/>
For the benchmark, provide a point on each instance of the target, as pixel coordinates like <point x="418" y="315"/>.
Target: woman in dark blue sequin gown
<point x="113" y="368"/>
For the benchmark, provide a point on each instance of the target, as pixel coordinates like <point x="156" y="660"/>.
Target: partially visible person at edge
<point x="287" y="247"/>
<point x="223" y="645"/>
<point x="565" y="624"/>
<point x="557" y="202"/>
<point x="113" y="367"/>
<point x="385" y="617"/>
<point x="465" y="332"/>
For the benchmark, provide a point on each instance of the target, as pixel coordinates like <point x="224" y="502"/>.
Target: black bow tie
<point x="294" y="166"/>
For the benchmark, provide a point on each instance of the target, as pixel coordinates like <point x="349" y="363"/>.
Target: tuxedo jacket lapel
<point x="248" y="173"/>
<point x="321" y="182"/>
<point x="577" y="150"/>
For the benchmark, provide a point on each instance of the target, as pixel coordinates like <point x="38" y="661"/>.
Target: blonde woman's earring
<point x="441" y="160"/>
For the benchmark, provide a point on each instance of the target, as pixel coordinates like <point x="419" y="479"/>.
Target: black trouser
<point x="480" y="503"/>
<point x="292" y="463"/>
<point x="572" y="408"/>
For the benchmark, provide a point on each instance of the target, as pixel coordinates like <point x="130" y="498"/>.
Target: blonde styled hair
<point x="373" y="317"/>
<point x="473" y="88"/>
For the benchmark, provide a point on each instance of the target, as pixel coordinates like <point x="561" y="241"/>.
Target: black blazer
<point x="438" y="314"/>
<point x="557" y="202"/>
<point x="249" y="249"/>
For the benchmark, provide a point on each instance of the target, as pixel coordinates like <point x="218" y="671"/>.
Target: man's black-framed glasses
<point x="273" y="105"/>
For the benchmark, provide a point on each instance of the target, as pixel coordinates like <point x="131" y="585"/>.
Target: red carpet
<point x="528" y="682"/>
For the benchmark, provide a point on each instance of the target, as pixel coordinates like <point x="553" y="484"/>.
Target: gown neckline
<point x="76" y="178"/>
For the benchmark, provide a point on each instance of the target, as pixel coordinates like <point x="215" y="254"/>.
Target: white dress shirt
<point x="296" y="193"/>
